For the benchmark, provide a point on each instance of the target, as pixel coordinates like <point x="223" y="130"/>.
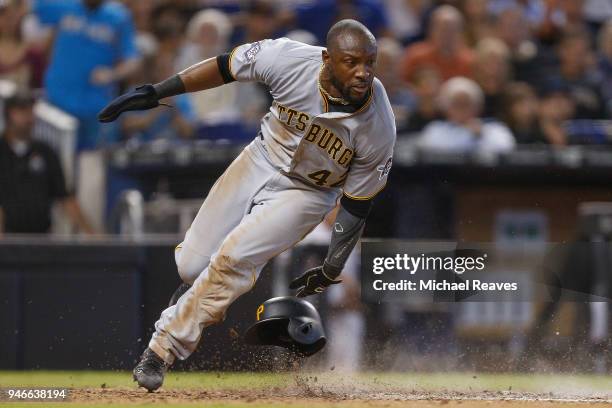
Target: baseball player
<point x="330" y="132"/>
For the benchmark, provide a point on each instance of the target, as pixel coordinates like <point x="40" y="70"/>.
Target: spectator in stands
<point x="425" y="88"/>
<point x="168" y="27"/>
<point x="605" y="64"/>
<point x="532" y="10"/>
<point x="463" y="131"/>
<point x="529" y="61"/>
<point x="318" y="16"/>
<point x="261" y="21"/>
<point x="173" y="123"/>
<point x="597" y="12"/>
<point x="556" y="108"/>
<point x="443" y="50"/>
<point x="20" y="62"/>
<point x="402" y="100"/>
<point x="405" y="18"/>
<point x="577" y="69"/>
<point x="142" y="12"/>
<point x="548" y="119"/>
<point x="94" y="50"/>
<point x="230" y="111"/>
<point x="559" y="17"/>
<point x="520" y="113"/>
<point x="31" y="177"/>
<point x="208" y="35"/>
<point x="228" y="6"/>
<point x="492" y="72"/>
<point x="478" y="21"/>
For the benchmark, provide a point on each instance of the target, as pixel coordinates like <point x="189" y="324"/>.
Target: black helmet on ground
<point x="288" y="322"/>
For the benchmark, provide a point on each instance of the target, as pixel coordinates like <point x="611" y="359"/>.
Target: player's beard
<point x="345" y="91"/>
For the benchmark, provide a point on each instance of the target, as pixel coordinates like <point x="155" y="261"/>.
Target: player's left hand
<point x="142" y="98"/>
<point x="313" y="281"/>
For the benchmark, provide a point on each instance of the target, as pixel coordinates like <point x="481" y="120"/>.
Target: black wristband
<point x="169" y="87"/>
<point x="359" y="208"/>
<point x="223" y="63"/>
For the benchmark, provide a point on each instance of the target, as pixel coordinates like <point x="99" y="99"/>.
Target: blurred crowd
<point x="475" y="75"/>
<point x="463" y="76"/>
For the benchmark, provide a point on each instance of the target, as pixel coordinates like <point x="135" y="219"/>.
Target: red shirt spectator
<point x="444" y="49"/>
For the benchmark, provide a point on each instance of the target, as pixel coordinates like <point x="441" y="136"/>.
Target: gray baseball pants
<point x="252" y="213"/>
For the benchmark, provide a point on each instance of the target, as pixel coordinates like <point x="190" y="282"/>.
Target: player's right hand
<point x="313" y="281"/>
<point x="141" y="98"/>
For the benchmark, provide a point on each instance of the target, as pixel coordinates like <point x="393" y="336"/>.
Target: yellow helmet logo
<point x="260" y="310"/>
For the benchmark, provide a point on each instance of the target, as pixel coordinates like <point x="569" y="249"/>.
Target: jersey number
<point x="320" y="178"/>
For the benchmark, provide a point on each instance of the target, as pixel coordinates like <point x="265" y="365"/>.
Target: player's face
<point x="352" y="70"/>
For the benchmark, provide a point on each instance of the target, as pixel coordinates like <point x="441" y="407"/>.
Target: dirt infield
<point x="322" y="390"/>
<point x="321" y="398"/>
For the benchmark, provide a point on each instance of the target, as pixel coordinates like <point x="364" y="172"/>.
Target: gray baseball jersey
<point x="330" y="149"/>
<point x="278" y="189"/>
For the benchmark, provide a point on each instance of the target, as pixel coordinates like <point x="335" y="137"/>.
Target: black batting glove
<point x="314" y="280"/>
<point x="141" y="98"/>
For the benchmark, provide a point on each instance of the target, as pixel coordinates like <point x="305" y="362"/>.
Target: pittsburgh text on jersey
<point x="317" y="134"/>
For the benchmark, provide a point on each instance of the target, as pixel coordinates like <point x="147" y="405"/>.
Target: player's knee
<point x="189" y="264"/>
<point x="235" y="271"/>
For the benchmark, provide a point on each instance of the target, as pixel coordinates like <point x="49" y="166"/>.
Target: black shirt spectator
<point x="30" y="181"/>
<point x="520" y="114"/>
<point x="31" y="177"/>
<point x="576" y="72"/>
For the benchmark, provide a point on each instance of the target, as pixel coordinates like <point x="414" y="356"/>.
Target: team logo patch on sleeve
<point x="385" y="169"/>
<point x="250" y="54"/>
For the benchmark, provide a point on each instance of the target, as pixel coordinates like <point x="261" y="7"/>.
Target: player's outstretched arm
<point x="204" y="75"/>
<point x="347" y="230"/>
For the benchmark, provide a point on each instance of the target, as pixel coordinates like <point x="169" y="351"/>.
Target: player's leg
<point x="282" y="214"/>
<point x="224" y="207"/>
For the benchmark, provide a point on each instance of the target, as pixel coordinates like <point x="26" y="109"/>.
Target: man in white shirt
<point x="461" y="100"/>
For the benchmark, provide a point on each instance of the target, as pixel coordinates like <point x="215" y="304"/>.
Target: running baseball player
<point x="330" y="132"/>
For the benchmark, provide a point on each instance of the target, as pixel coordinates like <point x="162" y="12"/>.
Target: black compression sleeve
<point x="359" y="208"/>
<point x="170" y="87"/>
<point x="346" y="232"/>
<point x="223" y="62"/>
